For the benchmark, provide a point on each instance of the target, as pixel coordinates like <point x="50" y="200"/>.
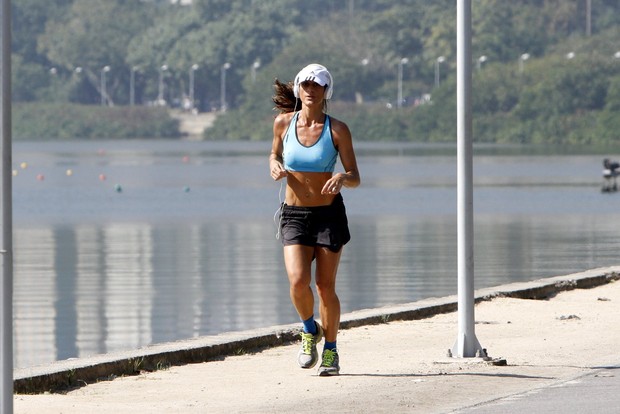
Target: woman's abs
<point x="304" y="189"/>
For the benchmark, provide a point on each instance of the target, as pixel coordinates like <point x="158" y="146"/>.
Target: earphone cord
<point x="277" y="217"/>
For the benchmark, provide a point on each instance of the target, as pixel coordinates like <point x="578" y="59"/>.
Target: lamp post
<point x="438" y="62"/>
<point x="160" y="94"/>
<point x="104" y="93"/>
<point x="522" y="59"/>
<point x="53" y="82"/>
<point x="399" y="97"/>
<point x="255" y="66"/>
<point x="481" y="60"/>
<point x="223" y="70"/>
<point x="359" y="97"/>
<point x="588" y="18"/>
<point x="77" y="72"/>
<point x="193" y="69"/>
<point x="132" y="85"/>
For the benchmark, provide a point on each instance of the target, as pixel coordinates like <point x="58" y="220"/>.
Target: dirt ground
<point x="388" y="368"/>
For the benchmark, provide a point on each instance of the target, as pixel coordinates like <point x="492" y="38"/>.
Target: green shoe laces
<point x="308" y="341"/>
<point x="328" y="358"/>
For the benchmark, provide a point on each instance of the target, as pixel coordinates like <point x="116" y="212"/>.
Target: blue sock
<point x="329" y="345"/>
<point x="310" y="325"/>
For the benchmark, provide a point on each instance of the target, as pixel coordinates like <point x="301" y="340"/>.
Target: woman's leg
<point x="298" y="262"/>
<point x="329" y="304"/>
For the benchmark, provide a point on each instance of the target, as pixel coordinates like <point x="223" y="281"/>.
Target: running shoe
<point x="330" y="365"/>
<point x="308" y="356"/>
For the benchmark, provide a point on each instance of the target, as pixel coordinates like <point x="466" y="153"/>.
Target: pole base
<point x="467" y="347"/>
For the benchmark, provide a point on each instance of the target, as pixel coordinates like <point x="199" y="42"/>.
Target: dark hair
<point x="284" y="98"/>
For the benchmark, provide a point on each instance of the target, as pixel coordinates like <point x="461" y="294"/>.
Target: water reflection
<point x="86" y="289"/>
<point x="99" y="271"/>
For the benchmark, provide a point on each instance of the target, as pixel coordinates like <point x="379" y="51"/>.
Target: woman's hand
<point x="333" y="185"/>
<point x="277" y="170"/>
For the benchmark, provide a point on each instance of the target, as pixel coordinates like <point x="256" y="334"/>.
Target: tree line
<point x="225" y="54"/>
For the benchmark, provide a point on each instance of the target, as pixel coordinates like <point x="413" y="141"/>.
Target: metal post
<point x="588" y="18"/>
<point x="6" y="249"/>
<point x="438" y="62"/>
<point x="132" y="86"/>
<point x="522" y="60"/>
<point x="104" y="93"/>
<point x="466" y="343"/>
<point x="193" y="69"/>
<point x="160" y="93"/>
<point x="223" y="104"/>
<point x="255" y="66"/>
<point x="399" y="95"/>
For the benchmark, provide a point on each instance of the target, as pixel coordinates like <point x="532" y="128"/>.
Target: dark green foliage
<point x="553" y="99"/>
<point x="40" y="121"/>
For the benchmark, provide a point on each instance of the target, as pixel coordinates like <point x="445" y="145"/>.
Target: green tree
<point x="94" y="34"/>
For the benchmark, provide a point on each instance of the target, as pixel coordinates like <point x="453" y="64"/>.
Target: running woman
<point x="313" y="221"/>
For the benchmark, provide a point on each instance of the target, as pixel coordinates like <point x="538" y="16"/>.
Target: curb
<point x="78" y="372"/>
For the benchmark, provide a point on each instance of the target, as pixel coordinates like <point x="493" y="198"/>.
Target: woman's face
<point x="311" y="92"/>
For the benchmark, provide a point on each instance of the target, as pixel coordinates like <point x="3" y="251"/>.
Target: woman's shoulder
<point x="282" y="121"/>
<point x="284" y="118"/>
<point x="338" y="126"/>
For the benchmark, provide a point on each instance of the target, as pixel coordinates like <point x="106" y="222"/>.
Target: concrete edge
<point x="72" y="373"/>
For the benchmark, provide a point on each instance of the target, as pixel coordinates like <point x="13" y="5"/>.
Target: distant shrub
<point x="45" y="121"/>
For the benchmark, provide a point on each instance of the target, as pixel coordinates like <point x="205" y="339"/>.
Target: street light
<point x="570" y="55"/>
<point x="522" y="59"/>
<point x="481" y="60"/>
<point x="224" y="68"/>
<point x="191" y="85"/>
<point x="255" y="66"/>
<point x="54" y="82"/>
<point x="132" y="85"/>
<point x="617" y="54"/>
<point x="160" y="94"/>
<point x="359" y="97"/>
<point x="588" y="18"/>
<point x="439" y="61"/>
<point x="104" y="93"/>
<point x="399" y="98"/>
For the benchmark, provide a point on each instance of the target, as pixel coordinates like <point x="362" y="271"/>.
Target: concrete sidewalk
<point x="392" y="360"/>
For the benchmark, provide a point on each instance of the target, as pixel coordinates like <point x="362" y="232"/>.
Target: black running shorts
<point x="316" y="226"/>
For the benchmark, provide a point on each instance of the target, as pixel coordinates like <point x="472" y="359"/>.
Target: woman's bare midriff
<point x="304" y="189"/>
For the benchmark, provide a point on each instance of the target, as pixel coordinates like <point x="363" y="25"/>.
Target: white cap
<point x="315" y="73"/>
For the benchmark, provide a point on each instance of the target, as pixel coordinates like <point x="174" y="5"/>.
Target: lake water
<point x="124" y="244"/>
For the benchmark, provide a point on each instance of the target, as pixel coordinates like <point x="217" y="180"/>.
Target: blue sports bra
<point x="319" y="157"/>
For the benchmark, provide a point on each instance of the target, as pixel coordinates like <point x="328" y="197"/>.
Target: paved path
<point x="597" y="392"/>
<point x="561" y="356"/>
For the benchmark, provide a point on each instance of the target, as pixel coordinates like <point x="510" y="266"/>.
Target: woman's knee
<point x="325" y="289"/>
<point x="299" y="281"/>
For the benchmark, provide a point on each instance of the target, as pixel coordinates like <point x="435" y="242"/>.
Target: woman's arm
<point x="344" y="143"/>
<point x="276" y="167"/>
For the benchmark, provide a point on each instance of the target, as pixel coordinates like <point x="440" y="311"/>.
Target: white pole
<point x="438" y="62"/>
<point x="132" y="86"/>
<point x="588" y="18"/>
<point x="224" y="68"/>
<point x="466" y="344"/>
<point x="6" y="249"/>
